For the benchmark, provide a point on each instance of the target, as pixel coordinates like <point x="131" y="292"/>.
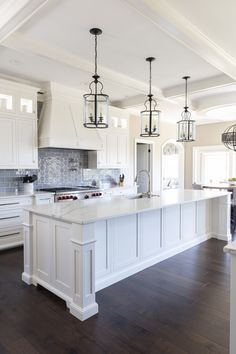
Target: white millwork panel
<point x="203" y="217"/>
<point x="171" y="226"/>
<point x="61" y="257"/>
<point x="27" y="150"/>
<point x="103" y="249"/>
<point x="72" y="259"/>
<point x="233" y="305"/>
<point x="8" y="143"/>
<point x="149" y="227"/>
<point x="221" y="218"/>
<point x="123" y="230"/>
<point x="83" y="272"/>
<point x="188" y="221"/>
<point x="42" y="249"/>
<point x="28" y="248"/>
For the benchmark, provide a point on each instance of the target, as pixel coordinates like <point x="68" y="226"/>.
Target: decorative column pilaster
<point x="83" y="305"/>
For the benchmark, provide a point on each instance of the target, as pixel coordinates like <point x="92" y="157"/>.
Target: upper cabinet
<point x="115" y="142"/>
<point x="18" y="125"/>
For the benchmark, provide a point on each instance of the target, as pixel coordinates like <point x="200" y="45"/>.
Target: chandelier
<point x="96" y="103"/>
<point x="186" y="126"/>
<point x="150" y="117"/>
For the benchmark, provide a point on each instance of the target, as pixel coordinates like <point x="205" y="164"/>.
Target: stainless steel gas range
<point x="69" y="194"/>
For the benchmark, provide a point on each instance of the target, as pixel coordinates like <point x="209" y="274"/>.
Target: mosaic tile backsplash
<point x="59" y="167"/>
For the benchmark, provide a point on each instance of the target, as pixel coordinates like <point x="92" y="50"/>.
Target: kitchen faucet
<point x="148" y="193"/>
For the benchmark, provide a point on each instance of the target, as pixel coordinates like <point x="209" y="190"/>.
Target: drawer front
<point x="10" y="232"/>
<point x="44" y="200"/>
<point x="10" y="218"/>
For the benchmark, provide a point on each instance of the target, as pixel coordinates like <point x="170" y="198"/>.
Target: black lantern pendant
<point x="228" y="138"/>
<point x="96" y="103"/>
<point x="150" y="117"/>
<point x="186" y="126"/>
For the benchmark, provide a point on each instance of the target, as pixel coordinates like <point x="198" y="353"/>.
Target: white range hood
<point x="61" y="120"/>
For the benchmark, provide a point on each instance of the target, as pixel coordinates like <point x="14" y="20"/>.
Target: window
<point x="172" y="165"/>
<point x="213" y="164"/>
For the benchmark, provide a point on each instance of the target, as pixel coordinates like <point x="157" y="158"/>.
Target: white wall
<point x="167" y="131"/>
<point x="206" y="135"/>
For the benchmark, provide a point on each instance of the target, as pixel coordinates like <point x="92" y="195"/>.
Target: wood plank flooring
<point x="178" y="306"/>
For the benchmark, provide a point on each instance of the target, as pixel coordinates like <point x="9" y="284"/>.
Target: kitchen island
<point x="75" y="249"/>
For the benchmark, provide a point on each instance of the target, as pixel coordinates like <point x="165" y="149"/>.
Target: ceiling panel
<point x="128" y="38"/>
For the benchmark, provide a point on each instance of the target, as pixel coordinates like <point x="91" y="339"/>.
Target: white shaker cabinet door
<point x="8" y="143"/>
<point x="112" y="150"/>
<point x="27" y="135"/>
<point x="122" y="150"/>
<point x="102" y="154"/>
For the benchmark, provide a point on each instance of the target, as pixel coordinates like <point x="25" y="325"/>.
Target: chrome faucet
<point x="148" y="193"/>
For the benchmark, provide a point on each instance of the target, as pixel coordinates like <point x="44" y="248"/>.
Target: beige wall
<point x="167" y="131"/>
<point x="206" y="135"/>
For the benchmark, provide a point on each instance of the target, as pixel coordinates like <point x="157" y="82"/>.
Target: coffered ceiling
<point x="50" y="41"/>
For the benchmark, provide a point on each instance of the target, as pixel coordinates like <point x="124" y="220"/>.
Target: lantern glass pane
<point x="150" y="123"/>
<point x="186" y="130"/>
<point x="96" y="110"/>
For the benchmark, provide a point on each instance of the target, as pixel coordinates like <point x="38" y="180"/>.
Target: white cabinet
<point x="27" y="140"/>
<point x="115" y="142"/>
<point x="11" y="210"/>
<point x="18" y="125"/>
<point x="8" y="143"/>
<point x="114" y="153"/>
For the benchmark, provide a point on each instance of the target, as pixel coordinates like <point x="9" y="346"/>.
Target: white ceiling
<point x="54" y="44"/>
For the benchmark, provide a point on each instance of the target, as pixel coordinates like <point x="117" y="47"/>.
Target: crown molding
<point x="181" y="29"/>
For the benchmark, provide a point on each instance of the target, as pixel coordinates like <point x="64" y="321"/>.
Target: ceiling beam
<point x="181" y="29"/>
<point x="199" y="86"/>
<point x="13" y="14"/>
<point x="20" y="42"/>
<point x="215" y="101"/>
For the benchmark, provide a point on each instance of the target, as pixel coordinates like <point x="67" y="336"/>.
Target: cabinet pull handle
<point x="10" y="217"/>
<point x="6" y="235"/>
<point x="17" y="203"/>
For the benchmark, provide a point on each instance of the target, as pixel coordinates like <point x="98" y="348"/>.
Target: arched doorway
<point x="172" y="165"/>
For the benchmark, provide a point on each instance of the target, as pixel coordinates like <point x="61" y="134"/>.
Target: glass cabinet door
<point x="27" y="106"/>
<point x="6" y="102"/>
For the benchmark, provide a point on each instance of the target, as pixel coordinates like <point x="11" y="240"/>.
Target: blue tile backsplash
<point x="59" y="167"/>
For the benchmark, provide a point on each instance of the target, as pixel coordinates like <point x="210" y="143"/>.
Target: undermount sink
<point x="142" y="195"/>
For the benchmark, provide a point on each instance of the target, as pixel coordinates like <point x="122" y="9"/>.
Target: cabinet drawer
<point x="10" y="232"/>
<point x="10" y="218"/>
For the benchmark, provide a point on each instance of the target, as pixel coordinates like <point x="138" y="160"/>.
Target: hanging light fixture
<point x="186" y="126"/>
<point x="150" y="117"/>
<point x="96" y="103"/>
<point x="228" y="138"/>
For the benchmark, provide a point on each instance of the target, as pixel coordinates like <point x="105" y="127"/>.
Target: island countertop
<point x="92" y="210"/>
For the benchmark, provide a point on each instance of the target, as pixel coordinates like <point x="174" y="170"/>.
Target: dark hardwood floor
<point x="178" y="306"/>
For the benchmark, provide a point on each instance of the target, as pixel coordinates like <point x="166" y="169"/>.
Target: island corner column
<point x="83" y="241"/>
<point x="27" y="275"/>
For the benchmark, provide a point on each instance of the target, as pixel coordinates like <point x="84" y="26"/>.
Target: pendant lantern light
<point x="150" y="117"/>
<point x="228" y="138"/>
<point x="96" y="103"/>
<point x="186" y="126"/>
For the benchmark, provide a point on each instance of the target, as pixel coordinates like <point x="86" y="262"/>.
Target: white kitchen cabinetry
<point x="18" y="125"/>
<point x="27" y="143"/>
<point x="8" y="143"/>
<point x="11" y="210"/>
<point x="114" y="153"/>
<point x="115" y="142"/>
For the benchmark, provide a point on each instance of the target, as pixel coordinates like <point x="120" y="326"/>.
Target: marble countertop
<point x="22" y="194"/>
<point x="91" y="210"/>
